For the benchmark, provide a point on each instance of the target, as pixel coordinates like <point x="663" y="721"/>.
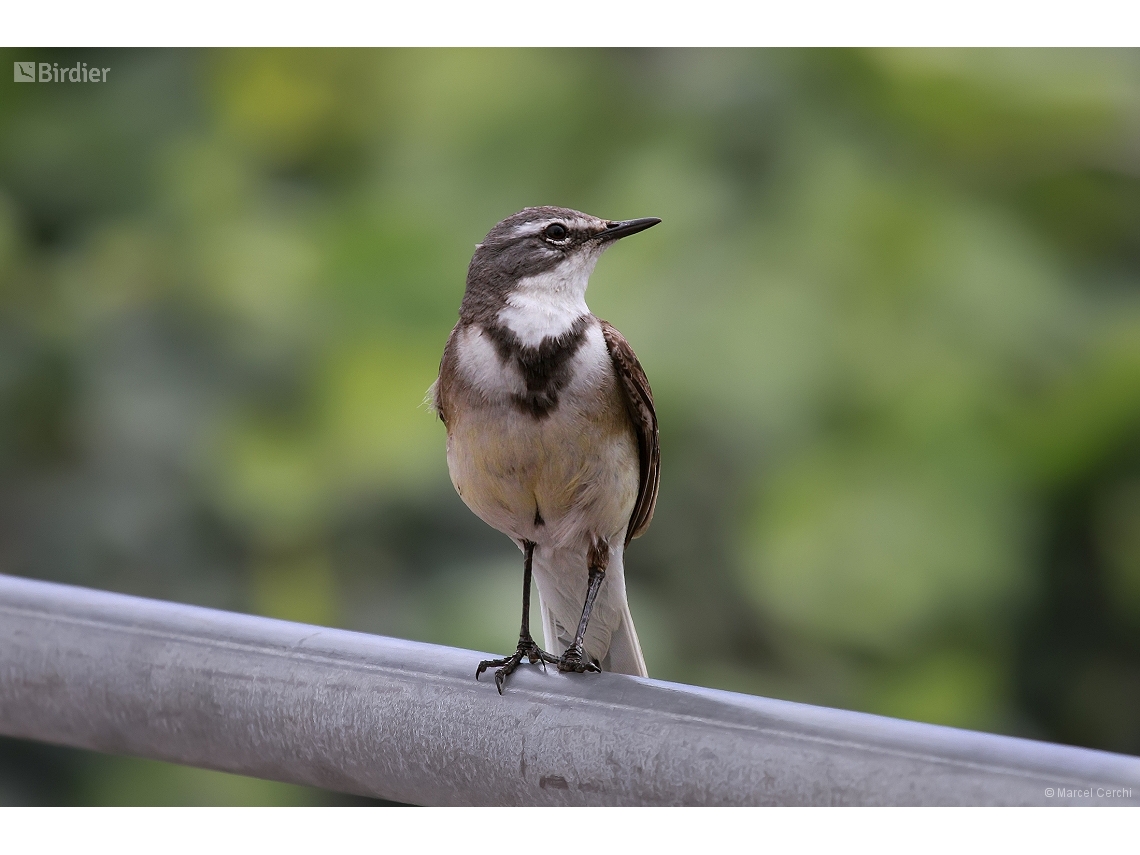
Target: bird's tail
<point x="624" y="655"/>
<point x="561" y="576"/>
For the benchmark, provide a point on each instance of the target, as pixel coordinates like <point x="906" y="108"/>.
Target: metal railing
<point x="405" y="721"/>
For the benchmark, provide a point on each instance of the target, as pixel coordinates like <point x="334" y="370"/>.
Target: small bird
<point x="551" y="433"/>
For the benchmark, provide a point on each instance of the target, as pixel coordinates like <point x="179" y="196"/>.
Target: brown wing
<point x="639" y="403"/>
<point x="438" y="396"/>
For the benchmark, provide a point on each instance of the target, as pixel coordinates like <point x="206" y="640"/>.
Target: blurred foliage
<point x="892" y="321"/>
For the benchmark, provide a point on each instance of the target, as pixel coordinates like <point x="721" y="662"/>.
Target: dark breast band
<point x="545" y="368"/>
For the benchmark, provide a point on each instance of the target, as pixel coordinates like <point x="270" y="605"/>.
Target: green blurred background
<point x="892" y="322"/>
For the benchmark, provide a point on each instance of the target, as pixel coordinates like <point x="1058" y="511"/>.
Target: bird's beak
<point x="615" y="230"/>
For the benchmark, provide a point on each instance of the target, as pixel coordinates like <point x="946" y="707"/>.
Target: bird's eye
<point x="555" y="231"/>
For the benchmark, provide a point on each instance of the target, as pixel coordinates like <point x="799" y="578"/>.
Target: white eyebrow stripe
<point x="531" y="228"/>
<point x="535" y="227"/>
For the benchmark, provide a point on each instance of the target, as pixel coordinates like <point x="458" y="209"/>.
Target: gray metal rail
<point x="404" y="721"/>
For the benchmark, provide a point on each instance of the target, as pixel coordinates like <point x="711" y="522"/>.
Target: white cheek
<point x="482" y="368"/>
<point x="548" y="304"/>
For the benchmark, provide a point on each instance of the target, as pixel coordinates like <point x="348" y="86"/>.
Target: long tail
<point x="611" y="639"/>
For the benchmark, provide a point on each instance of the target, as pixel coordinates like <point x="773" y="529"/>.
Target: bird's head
<point x="541" y="251"/>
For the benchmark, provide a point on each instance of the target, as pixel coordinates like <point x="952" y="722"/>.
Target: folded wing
<point x="639" y="404"/>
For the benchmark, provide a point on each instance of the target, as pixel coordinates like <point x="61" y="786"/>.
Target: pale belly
<point x="556" y="481"/>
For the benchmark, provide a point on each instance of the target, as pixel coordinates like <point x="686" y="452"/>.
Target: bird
<point x="552" y="435"/>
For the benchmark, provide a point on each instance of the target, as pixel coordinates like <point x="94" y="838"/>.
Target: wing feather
<point x="639" y="404"/>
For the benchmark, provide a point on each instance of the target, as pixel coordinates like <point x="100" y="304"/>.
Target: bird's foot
<point x="574" y="659"/>
<point x="505" y="667"/>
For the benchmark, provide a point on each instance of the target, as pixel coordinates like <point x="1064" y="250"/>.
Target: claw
<point x="574" y="660"/>
<point x="489" y="663"/>
<point x="507" y="666"/>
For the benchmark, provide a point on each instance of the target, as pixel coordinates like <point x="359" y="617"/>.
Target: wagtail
<point x="551" y="432"/>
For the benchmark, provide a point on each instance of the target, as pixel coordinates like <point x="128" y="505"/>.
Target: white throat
<point x="548" y="304"/>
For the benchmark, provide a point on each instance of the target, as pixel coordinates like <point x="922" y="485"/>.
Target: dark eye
<point x="555" y="231"/>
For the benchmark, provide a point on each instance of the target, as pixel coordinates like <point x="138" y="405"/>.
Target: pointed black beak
<point x="615" y="230"/>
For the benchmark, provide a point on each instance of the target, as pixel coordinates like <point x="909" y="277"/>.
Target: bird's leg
<point x="598" y="558"/>
<point x="526" y="647"/>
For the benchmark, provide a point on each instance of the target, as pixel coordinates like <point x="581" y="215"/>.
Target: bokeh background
<point x="891" y="318"/>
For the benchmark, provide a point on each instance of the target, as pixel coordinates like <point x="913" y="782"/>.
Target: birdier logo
<point x="50" y="72"/>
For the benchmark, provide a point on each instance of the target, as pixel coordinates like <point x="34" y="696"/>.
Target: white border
<point x="281" y="831"/>
<point x="558" y="23"/>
